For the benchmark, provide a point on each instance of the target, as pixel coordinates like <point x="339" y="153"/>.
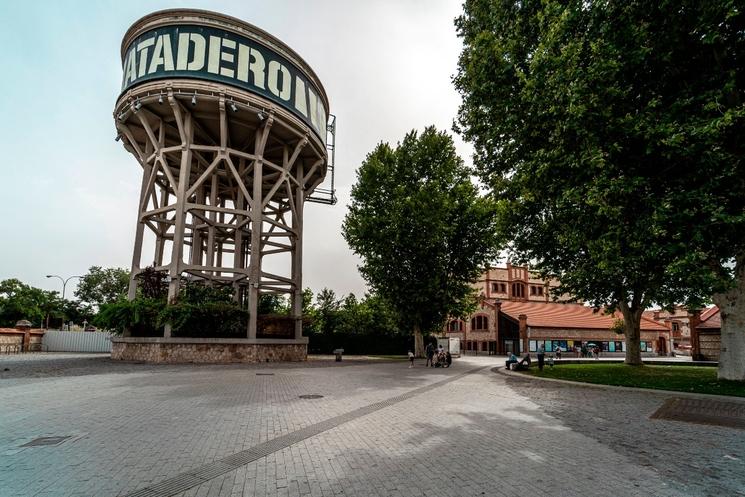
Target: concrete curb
<point x="666" y="393"/>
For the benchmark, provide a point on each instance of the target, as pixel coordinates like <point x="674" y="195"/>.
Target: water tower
<point x="232" y="130"/>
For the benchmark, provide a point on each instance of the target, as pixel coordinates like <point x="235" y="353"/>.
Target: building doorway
<point x="661" y="346"/>
<point x="511" y="347"/>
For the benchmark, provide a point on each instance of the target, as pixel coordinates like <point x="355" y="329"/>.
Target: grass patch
<point x="678" y="378"/>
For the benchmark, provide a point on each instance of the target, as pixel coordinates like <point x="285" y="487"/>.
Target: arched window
<point x="479" y="323"/>
<point x="518" y="290"/>
<point x="455" y="325"/>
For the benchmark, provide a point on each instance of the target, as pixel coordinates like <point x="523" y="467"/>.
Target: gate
<point x="76" y="341"/>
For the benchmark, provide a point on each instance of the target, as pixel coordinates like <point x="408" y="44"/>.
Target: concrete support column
<point x="254" y="268"/>
<point x="523" y="323"/>
<point x="238" y="237"/>
<point x="178" y="238"/>
<point x="297" y="256"/>
<point x="497" y="310"/>
<point x="139" y="233"/>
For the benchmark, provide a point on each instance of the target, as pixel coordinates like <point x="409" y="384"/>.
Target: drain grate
<point x="37" y="442"/>
<point x="311" y="396"/>
<point x="264" y="374"/>
<point x="703" y="411"/>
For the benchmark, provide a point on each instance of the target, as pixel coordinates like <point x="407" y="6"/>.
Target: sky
<point x="69" y="191"/>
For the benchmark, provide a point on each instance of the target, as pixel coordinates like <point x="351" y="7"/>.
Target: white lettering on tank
<point x="314" y="104"/>
<point x="273" y="80"/>
<point x="162" y="54"/>
<point x="227" y="57"/>
<point x="183" y="63"/>
<point x="130" y="67"/>
<point x="256" y="67"/>
<point x="142" y="48"/>
<point x="242" y="65"/>
<point x="301" y="100"/>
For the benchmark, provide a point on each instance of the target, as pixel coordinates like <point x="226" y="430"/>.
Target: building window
<point x="494" y="287"/>
<point x="518" y="290"/>
<point x="536" y="290"/>
<point x="483" y="347"/>
<point x="455" y="325"/>
<point x="503" y="287"/>
<point x="480" y="323"/>
<point x="676" y="326"/>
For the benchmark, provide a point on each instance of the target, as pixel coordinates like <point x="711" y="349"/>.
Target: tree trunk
<point x="632" y="330"/>
<point x="732" y="311"/>
<point x="418" y="342"/>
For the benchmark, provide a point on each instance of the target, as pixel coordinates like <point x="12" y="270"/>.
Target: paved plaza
<point x="379" y="429"/>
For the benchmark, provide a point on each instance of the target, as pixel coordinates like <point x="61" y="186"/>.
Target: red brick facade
<point x="517" y="313"/>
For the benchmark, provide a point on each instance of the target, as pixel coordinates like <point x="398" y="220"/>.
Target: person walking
<point x="411" y="359"/>
<point x="430" y="351"/>
<point x="541" y="356"/>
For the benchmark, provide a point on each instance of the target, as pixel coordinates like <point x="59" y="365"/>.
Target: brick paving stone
<point x="135" y="425"/>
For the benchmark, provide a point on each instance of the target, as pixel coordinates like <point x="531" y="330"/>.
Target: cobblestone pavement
<point x="133" y="426"/>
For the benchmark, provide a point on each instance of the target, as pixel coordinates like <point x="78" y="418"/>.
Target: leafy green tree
<point x="326" y="311"/>
<point x="102" y="285"/>
<point x="609" y="133"/>
<point x="77" y="311"/>
<point x="272" y="303"/>
<point x="20" y="301"/>
<point x="422" y="229"/>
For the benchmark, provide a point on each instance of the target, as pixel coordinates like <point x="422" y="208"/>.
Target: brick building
<point x="678" y="320"/>
<point x="706" y="336"/>
<point x="517" y="313"/>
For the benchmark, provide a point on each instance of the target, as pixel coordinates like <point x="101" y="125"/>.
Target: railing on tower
<point x="327" y="195"/>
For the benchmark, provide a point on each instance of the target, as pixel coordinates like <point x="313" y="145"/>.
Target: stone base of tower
<point x="208" y="351"/>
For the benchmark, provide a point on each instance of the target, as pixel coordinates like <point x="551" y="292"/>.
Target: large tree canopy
<point x="422" y="230"/>
<point x="103" y="285"/>
<point x="608" y="132"/>
<point x="20" y="301"/>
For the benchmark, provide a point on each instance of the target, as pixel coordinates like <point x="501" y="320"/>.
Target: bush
<point x="206" y="320"/>
<point x="141" y="316"/>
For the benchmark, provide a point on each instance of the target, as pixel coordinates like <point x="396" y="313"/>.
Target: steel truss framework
<point x="225" y="177"/>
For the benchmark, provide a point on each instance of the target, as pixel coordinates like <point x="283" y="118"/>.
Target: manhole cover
<point x="706" y="412"/>
<point x="46" y="441"/>
<point x="264" y="374"/>
<point x="311" y="396"/>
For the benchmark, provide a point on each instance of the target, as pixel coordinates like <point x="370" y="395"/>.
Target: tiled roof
<point x="648" y="315"/>
<point x="711" y="319"/>
<point x="568" y="316"/>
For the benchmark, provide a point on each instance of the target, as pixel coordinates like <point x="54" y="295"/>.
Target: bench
<point x="523" y="363"/>
<point x="338" y="353"/>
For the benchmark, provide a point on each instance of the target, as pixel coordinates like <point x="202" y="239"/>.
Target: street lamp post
<point x="64" y="282"/>
<point x="64" y="286"/>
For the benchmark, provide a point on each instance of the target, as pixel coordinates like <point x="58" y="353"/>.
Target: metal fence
<point x="76" y="341"/>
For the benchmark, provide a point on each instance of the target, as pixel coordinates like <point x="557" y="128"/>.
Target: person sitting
<point x="524" y="363"/>
<point x="511" y="360"/>
<point x="448" y="359"/>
